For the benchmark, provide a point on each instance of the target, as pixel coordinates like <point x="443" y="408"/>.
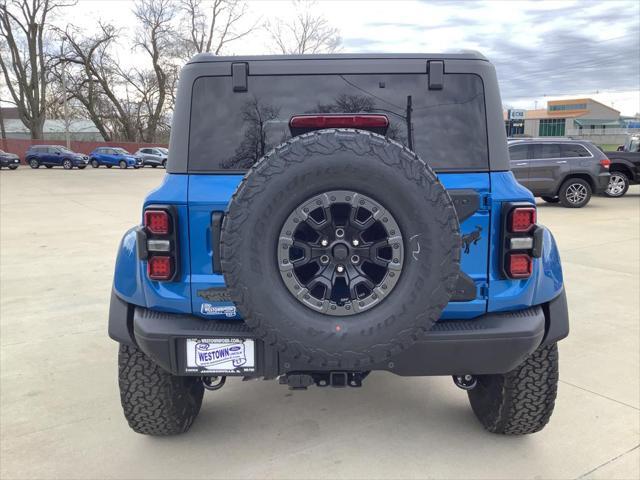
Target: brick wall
<point x="20" y="146"/>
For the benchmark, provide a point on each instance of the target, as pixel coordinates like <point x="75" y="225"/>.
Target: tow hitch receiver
<point x="302" y="380"/>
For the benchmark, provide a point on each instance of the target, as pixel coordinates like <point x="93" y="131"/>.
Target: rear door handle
<point x="522" y="163"/>
<point x="561" y="161"/>
<point x="216" y="230"/>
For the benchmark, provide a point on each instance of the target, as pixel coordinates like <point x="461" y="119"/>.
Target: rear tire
<point x="618" y="185"/>
<point x="551" y="199"/>
<point x="154" y="401"/>
<point x="154" y="166"/>
<point x="575" y="193"/>
<point x="49" y="166"/>
<point x="164" y="164"/>
<point x="13" y="167"/>
<point x="521" y="401"/>
<point x="33" y="163"/>
<point x="108" y="166"/>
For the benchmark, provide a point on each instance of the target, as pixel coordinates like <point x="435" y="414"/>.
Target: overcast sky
<point x="542" y="50"/>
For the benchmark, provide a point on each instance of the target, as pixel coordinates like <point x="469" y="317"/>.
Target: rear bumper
<point x="493" y="343"/>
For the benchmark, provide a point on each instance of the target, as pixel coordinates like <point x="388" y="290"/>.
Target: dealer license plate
<point x="220" y="355"/>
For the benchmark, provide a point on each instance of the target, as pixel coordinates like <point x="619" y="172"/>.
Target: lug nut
<point x="340" y="269"/>
<point x="355" y="242"/>
<point x="324" y="242"/>
<point x="324" y="259"/>
<point x="355" y="258"/>
<point x="339" y="233"/>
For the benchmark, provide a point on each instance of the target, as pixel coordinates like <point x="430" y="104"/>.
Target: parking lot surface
<point x="60" y="412"/>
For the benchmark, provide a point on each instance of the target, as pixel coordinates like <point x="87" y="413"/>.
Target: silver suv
<point x="560" y="170"/>
<point x="154" y="156"/>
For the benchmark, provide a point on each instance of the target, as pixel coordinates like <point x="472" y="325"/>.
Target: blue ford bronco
<point x="323" y="217"/>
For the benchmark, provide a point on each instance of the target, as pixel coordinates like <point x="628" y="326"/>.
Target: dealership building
<point x="580" y="117"/>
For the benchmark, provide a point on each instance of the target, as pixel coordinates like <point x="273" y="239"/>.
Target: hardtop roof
<point x="457" y="55"/>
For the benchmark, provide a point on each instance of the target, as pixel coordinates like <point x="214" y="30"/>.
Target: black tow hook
<point x="213" y="383"/>
<point x="465" y="382"/>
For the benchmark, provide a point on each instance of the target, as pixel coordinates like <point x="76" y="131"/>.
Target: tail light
<point x="157" y="222"/>
<point x="160" y="267"/>
<point x="522" y="219"/>
<point x="522" y="239"/>
<point x="299" y="124"/>
<point x="606" y="163"/>
<point x="158" y="242"/>
<point x="519" y="265"/>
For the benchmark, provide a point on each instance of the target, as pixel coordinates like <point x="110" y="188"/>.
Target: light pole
<point x="65" y="107"/>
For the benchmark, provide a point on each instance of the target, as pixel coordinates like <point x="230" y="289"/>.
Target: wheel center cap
<point x="340" y="251"/>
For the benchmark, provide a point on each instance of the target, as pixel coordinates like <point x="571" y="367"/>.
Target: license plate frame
<point x="220" y="356"/>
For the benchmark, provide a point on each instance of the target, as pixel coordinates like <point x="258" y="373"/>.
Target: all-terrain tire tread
<point x="154" y="401"/>
<point x="522" y="400"/>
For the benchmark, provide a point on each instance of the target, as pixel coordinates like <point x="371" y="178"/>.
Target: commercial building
<point x="579" y="118"/>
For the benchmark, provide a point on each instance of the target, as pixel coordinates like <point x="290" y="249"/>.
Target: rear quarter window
<point x="230" y="131"/>
<point x="571" y="150"/>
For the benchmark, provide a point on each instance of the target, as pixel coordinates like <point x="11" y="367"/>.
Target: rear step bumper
<point x="492" y="343"/>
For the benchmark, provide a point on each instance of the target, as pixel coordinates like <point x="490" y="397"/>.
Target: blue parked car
<point x="55" y="156"/>
<point x="331" y="217"/>
<point x="113" y="156"/>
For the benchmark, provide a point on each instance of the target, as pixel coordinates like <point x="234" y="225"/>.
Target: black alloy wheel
<point x="340" y="253"/>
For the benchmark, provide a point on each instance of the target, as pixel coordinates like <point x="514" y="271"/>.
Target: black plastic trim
<point x="239" y="73"/>
<point x="216" y="230"/>
<point x="466" y="201"/>
<point x="141" y="243"/>
<point x="492" y="343"/>
<point x="556" y="314"/>
<point x="435" y="69"/>
<point x="465" y="289"/>
<point x="120" y="320"/>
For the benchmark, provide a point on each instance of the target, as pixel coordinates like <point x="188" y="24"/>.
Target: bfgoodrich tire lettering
<point x="521" y="401"/>
<point x="154" y="401"/>
<point x="360" y="162"/>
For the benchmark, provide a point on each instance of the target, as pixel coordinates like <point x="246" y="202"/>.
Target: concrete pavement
<point x="60" y="414"/>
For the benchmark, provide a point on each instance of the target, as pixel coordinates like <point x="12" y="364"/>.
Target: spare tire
<point x="340" y="248"/>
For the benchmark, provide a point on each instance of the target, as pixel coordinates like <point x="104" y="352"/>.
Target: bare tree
<point x="23" y="57"/>
<point x="156" y="36"/>
<point x="208" y="26"/>
<point x="307" y="32"/>
<point x="94" y="78"/>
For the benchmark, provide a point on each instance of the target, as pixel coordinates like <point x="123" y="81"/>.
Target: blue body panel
<point x="197" y="196"/>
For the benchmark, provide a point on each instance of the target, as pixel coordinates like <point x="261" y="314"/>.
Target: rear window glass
<point x="230" y="131"/>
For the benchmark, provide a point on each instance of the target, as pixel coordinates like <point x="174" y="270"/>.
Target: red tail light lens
<point x="160" y="267"/>
<point x="519" y="265"/>
<point x="605" y="162"/>
<point x="339" y="121"/>
<point x="522" y="219"/>
<point x="157" y="222"/>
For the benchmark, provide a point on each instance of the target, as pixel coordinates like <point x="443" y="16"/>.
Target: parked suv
<point x="9" y="160"/>
<point x="320" y="220"/>
<point x="53" y="156"/>
<point x="625" y="167"/>
<point x="156" y="156"/>
<point x="560" y="170"/>
<point x="110" y="156"/>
